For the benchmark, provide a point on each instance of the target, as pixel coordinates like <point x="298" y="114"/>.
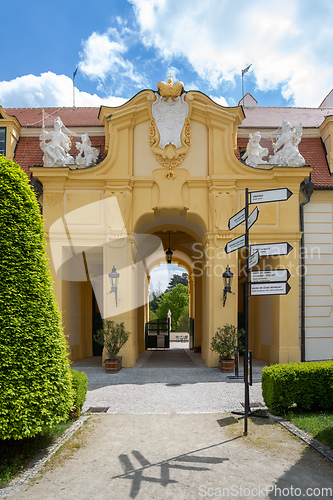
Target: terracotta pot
<point x="227" y="365"/>
<point x="112" y="365"/>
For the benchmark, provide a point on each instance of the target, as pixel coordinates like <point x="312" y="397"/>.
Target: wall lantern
<point x="227" y="280"/>
<point x="169" y="253"/>
<point x="114" y="278"/>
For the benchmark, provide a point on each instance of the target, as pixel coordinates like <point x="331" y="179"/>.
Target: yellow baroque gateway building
<point x="166" y="171"/>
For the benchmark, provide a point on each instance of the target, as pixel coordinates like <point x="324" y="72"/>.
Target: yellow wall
<point x="207" y="189"/>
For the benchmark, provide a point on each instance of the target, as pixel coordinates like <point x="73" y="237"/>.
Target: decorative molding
<point x="170" y="130"/>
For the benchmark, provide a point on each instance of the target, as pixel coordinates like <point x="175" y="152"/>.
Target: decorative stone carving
<point x="170" y="89"/>
<point x="222" y="207"/>
<point x="254" y="152"/>
<point x="58" y="145"/>
<point x="286" y="147"/>
<point x="170" y="114"/>
<point x="170" y="130"/>
<point x="87" y="153"/>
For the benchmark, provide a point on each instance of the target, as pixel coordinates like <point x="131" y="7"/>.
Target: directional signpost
<point x="273" y="282"/>
<point x="236" y="219"/>
<point x="270" y="195"/>
<point x="269" y="276"/>
<point x="252" y="218"/>
<point x="235" y="244"/>
<point x="239" y="218"/>
<point x="271" y="249"/>
<point x="253" y="260"/>
<point x="269" y="288"/>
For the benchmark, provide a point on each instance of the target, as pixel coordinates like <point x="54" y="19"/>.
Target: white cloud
<point x="48" y="89"/>
<point x="288" y="43"/>
<point x="102" y="57"/>
<point x="160" y="276"/>
<point x="220" y="100"/>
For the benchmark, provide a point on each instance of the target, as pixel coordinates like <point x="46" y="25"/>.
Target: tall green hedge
<point x="308" y="385"/>
<point x="35" y="381"/>
<point x="80" y="387"/>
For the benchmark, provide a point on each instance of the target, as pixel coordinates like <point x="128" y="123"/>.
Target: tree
<point x="176" y="279"/>
<point x="35" y="380"/>
<point x="176" y="300"/>
<point x="184" y="321"/>
<point x="154" y="300"/>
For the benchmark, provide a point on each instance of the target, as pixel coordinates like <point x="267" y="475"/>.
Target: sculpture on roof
<point x="254" y="152"/>
<point x="87" y="153"/>
<point x="56" y="145"/>
<point x="286" y="147"/>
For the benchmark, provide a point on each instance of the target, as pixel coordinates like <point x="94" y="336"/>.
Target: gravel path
<point x="174" y="381"/>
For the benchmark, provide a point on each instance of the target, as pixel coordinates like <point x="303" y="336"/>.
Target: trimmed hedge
<point x="35" y="380"/>
<point x="80" y="387"/>
<point x="308" y="385"/>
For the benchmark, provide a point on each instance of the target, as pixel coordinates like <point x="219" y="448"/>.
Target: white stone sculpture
<point x="286" y="147"/>
<point x="87" y="153"/>
<point x="170" y="114"/>
<point x="254" y="152"/>
<point x="56" y="145"/>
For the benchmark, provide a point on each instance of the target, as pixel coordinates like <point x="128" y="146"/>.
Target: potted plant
<point x="112" y="337"/>
<point x="224" y="343"/>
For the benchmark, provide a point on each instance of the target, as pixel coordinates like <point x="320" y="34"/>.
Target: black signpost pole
<point x="246" y="351"/>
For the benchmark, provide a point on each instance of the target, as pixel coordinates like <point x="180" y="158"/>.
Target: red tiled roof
<point x="71" y="117"/>
<point x="259" y="117"/>
<point x="313" y="152"/>
<point x="29" y="153"/>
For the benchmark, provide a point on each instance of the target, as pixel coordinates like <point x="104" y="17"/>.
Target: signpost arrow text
<point x="235" y="244"/>
<point x="269" y="195"/>
<point x="271" y="249"/>
<point x="275" y="275"/>
<point x="269" y="288"/>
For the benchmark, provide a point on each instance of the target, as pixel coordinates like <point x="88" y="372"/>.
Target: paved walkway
<point x="167" y="436"/>
<point x="183" y="457"/>
<point x="171" y="381"/>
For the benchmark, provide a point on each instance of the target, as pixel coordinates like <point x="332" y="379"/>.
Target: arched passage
<point x="185" y="239"/>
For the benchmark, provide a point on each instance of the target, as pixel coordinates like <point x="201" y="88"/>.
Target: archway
<point x="185" y="237"/>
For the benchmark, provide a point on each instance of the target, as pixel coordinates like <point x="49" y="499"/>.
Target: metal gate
<point x="157" y="334"/>
<point x="191" y="342"/>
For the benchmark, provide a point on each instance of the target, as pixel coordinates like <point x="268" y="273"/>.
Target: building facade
<point x="167" y="169"/>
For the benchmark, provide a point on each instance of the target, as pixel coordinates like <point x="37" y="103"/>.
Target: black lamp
<point x="227" y="280"/>
<point x="169" y="253"/>
<point x="114" y="278"/>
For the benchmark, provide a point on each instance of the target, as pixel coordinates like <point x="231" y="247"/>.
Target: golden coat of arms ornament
<point x="170" y="129"/>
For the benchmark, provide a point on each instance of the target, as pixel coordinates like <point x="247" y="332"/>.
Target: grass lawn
<point x="16" y="454"/>
<point x="318" y="424"/>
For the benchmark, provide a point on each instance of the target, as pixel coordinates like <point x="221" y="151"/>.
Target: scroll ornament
<point x="170" y="128"/>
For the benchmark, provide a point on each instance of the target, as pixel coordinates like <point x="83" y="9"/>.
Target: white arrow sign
<point x="269" y="288"/>
<point x="275" y="275"/>
<point x="235" y="244"/>
<point x="271" y="249"/>
<point x="236" y="219"/>
<point x="269" y="195"/>
<point x="253" y="260"/>
<point x="252" y="217"/>
<point x="239" y="218"/>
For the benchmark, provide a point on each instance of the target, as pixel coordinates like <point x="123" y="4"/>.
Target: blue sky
<point x="160" y="276"/>
<point x="121" y="47"/>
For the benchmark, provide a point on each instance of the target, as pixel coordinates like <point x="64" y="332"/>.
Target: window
<point x="3" y="141"/>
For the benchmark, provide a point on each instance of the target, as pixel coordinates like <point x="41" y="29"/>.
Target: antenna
<point x="74" y="75"/>
<point x="245" y="70"/>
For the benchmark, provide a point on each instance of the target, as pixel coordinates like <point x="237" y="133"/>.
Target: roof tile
<point x="71" y="117"/>
<point x="29" y="153"/>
